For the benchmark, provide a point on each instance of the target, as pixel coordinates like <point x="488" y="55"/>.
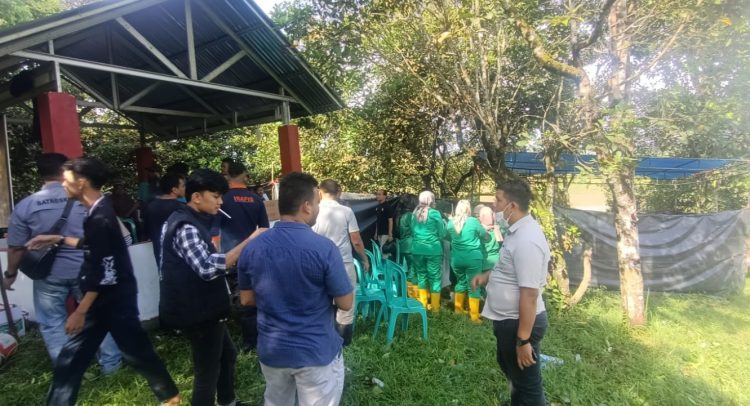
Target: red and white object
<point x="8" y="347"/>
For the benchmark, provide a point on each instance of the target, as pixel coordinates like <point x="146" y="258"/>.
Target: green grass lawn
<point x="694" y="351"/>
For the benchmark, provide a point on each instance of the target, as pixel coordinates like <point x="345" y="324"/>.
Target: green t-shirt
<point x="406" y="232"/>
<point x="428" y="235"/>
<point x="468" y="244"/>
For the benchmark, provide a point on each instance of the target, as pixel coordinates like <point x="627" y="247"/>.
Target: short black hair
<point x="180" y="168"/>
<point x="227" y="160"/>
<point x="236" y="169"/>
<point x="169" y="181"/>
<point x="205" y="180"/>
<point x="330" y="186"/>
<point x="385" y="192"/>
<point x="50" y="165"/>
<point x="517" y="191"/>
<point x="90" y="168"/>
<point x="295" y="189"/>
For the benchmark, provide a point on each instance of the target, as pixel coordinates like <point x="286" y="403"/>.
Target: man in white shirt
<point x="337" y="222"/>
<point x="514" y="294"/>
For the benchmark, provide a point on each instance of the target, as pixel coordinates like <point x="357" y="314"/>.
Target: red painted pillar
<point x="59" y="124"/>
<point x="291" y="160"/>
<point x="144" y="160"/>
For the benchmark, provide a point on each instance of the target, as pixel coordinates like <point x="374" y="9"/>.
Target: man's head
<point x="381" y="195"/>
<point x="180" y="168"/>
<point x="512" y="198"/>
<point x="236" y="172"/>
<point x="204" y="189"/>
<point x="225" y="166"/>
<point x="82" y="175"/>
<point x="299" y="198"/>
<point x="330" y="189"/>
<point x="50" y="166"/>
<point x="259" y="190"/>
<point x="173" y="184"/>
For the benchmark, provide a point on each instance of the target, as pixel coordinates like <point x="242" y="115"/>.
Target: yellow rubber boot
<point x="410" y="290"/>
<point x="474" y="310"/>
<point x="423" y="294"/>
<point x="458" y="303"/>
<point x="435" y="302"/>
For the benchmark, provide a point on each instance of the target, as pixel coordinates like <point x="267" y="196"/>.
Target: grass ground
<point x="693" y="352"/>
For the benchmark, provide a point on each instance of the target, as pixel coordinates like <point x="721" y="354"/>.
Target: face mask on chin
<point x="501" y="220"/>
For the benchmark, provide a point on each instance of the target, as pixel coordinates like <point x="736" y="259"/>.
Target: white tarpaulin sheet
<point x="679" y="253"/>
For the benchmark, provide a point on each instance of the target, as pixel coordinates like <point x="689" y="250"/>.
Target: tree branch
<point x="544" y="58"/>
<point x="660" y="54"/>
<point x="598" y="28"/>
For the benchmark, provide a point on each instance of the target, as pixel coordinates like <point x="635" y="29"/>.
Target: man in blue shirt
<point x="294" y="274"/>
<point x="35" y="215"/>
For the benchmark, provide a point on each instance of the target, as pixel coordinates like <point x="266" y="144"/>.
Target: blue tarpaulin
<point x="532" y="163"/>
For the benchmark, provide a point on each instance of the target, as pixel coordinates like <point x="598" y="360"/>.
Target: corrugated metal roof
<point x="222" y="29"/>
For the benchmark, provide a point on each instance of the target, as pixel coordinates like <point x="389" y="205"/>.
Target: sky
<point x="267" y="5"/>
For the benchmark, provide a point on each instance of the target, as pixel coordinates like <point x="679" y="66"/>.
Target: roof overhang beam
<point x="103" y="67"/>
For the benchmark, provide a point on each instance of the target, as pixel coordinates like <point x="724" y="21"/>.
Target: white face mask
<point x="500" y="218"/>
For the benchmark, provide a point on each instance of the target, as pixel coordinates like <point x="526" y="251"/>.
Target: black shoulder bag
<point x="37" y="264"/>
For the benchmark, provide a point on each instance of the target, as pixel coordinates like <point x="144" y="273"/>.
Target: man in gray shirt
<point x="337" y="222"/>
<point x="514" y="294"/>
<point x="36" y="215"/>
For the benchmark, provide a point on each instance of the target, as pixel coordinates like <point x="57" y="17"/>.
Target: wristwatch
<point x="9" y="275"/>
<point x="521" y="343"/>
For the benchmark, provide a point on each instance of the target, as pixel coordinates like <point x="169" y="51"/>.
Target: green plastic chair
<point x="366" y="296"/>
<point x="376" y="270"/>
<point x="398" y="301"/>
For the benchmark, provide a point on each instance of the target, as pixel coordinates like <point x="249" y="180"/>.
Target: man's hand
<point x="8" y="282"/>
<point x="390" y="238"/>
<point x="75" y="322"/>
<point x="42" y="241"/>
<point x="258" y="231"/>
<point x="366" y="265"/>
<point x="525" y="356"/>
<point x="480" y="280"/>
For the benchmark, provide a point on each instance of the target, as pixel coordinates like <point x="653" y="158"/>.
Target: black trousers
<point x="249" y="322"/>
<point x="120" y="320"/>
<point x="526" y="385"/>
<point x="214" y="358"/>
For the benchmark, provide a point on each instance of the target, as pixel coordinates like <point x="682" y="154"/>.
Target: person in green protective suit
<point x="406" y="238"/>
<point x="427" y="249"/>
<point x="467" y="237"/>
<point x="492" y="246"/>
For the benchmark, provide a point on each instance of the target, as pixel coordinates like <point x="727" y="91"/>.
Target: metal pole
<point x="8" y="313"/>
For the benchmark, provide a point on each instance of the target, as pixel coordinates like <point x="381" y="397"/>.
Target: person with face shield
<point x="427" y="249"/>
<point x="493" y="245"/>
<point x="467" y="256"/>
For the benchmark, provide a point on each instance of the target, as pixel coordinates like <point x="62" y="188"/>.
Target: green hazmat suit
<point x="467" y="254"/>
<point x="427" y="250"/>
<point x="406" y="233"/>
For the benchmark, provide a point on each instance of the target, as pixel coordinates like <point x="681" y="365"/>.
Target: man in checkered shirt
<point x="194" y="292"/>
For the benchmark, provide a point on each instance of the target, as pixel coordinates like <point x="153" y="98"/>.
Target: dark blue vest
<point x="186" y="299"/>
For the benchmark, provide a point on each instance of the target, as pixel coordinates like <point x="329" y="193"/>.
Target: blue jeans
<point x="50" y="295"/>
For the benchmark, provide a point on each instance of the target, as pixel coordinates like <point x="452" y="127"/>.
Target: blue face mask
<point x="501" y="220"/>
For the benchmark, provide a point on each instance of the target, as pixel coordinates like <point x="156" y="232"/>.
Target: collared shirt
<point x="295" y="274"/>
<point x="189" y="246"/>
<point x="523" y="264"/>
<point x="336" y="222"/>
<point x="37" y="214"/>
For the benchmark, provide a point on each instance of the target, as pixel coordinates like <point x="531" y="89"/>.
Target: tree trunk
<point x="557" y="261"/>
<point x="620" y="176"/>
<point x="628" y="256"/>
<point x="585" y="281"/>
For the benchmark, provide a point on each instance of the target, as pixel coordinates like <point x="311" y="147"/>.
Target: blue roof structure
<point x="532" y="163"/>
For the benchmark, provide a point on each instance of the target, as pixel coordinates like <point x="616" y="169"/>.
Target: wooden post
<point x="6" y="190"/>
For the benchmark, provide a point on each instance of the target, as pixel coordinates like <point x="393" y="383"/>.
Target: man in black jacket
<point x="109" y="303"/>
<point x="194" y="291"/>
